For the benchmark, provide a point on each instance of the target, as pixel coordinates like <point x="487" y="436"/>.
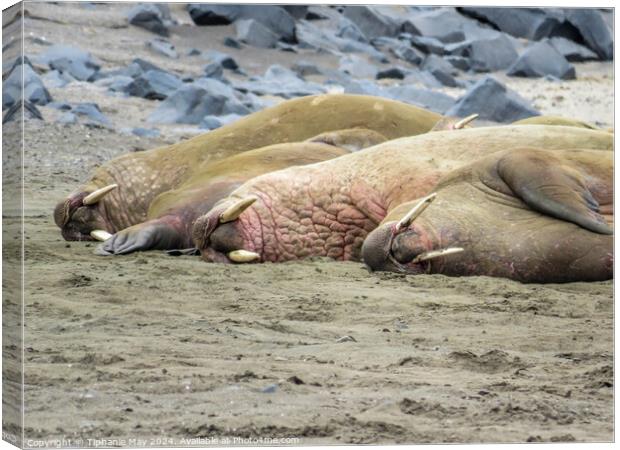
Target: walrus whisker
<point x="461" y="123"/>
<point x="243" y="256"/>
<point x="436" y="254"/>
<point x="100" y="235"/>
<point x="415" y="211"/>
<point x="96" y="196"/>
<point x="234" y="211"/>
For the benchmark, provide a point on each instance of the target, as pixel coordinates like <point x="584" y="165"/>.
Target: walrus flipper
<point x="549" y="186"/>
<point x="155" y="234"/>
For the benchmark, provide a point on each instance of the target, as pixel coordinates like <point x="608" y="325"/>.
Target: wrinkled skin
<point x="328" y="209"/>
<point x="526" y="214"/>
<point x="142" y="177"/>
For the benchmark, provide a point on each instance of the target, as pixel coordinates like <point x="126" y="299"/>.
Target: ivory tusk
<point x="234" y="211"/>
<point x="243" y="256"/>
<point x="96" y="196"/>
<point x="461" y="123"/>
<point x="436" y="254"/>
<point x="100" y="235"/>
<point x="415" y="211"/>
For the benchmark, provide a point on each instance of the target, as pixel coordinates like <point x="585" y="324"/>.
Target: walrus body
<point x="141" y="177"/>
<point x="527" y="214"/>
<point x="328" y="209"/>
<point x="556" y="121"/>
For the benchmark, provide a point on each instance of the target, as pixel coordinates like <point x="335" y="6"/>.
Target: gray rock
<point x="163" y="47"/>
<point x="371" y="21"/>
<point x="223" y="59"/>
<point x="209" y="14"/>
<point x="396" y="73"/>
<point x="33" y="90"/>
<point x="592" y="27"/>
<point x="188" y="104"/>
<point x="145" y="132"/>
<point x="442" y="70"/>
<point x="154" y="85"/>
<point x="417" y="76"/>
<point x="571" y="50"/>
<point x="60" y="106"/>
<point x="117" y="83"/>
<point x="399" y="49"/>
<point x="458" y="62"/>
<point x="14" y="113"/>
<point x="67" y="118"/>
<point x="435" y="101"/>
<point x="493" y="101"/>
<point x="150" y="17"/>
<point x="232" y="43"/>
<point x="214" y="70"/>
<point x="213" y="122"/>
<point x="284" y="47"/>
<point x="56" y="79"/>
<point x="348" y="30"/>
<point x="92" y="114"/>
<point x="529" y="23"/>
<point x="77" y="63"/>
<point x="428" y="44"/>
<point x="296" y="11"/>
<point x="193" y="52"/>
<point x="274" y="18"/>
<point x="542" y="59"/>
<point x="357" y="67"/>
<point x="443" y="24"/>
<point x="281" y="82"/>
<point x="304" y="68"/>
<point x="486" y="55"/>
<point x="255" y="34"/>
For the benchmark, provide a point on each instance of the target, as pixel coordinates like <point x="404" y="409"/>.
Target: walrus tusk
<point x="436" y="254"/>
<point x="415" y="211"/>
<point x="233" y="212"/>
<point x="100" y="235"/>
<point x="461" y="123"/>
<point x="243" y="256"/>
<point x="96" y="196"/>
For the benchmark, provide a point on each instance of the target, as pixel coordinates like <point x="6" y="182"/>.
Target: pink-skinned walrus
<point x="150" y="196"/>
<point x="329" y="208"/>
<point x="526" y="214"/>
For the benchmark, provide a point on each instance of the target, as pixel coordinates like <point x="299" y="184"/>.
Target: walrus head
<point x="81" y="216"/>
<point x="403" y="246"/>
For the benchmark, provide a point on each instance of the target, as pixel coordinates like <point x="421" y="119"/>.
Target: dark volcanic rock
<point x="542" y="59"/>
<point x="493" y="101"/>
<point x="154" y="85"/>
<point x="33" y="89"/>
<point x="371" y="22"/>
<point x="255" y="33"/>
<point x="150" y="16"/>
<point x="163" y="47"/>
<point x="232" y="43"/>
<point x="30" y="111"/>
<point x="275" y="18"/>
<point x="571" y="50"/>
<point x="397" y="73"/>
<point x="208" y="14"/>
<point x="592" y="27"/>
<point x="529" y="23"/>
<point x="77" y="63"/>
<point x="486" y="55"/>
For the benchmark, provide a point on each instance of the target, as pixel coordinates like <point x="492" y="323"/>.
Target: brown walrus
<point x="328" y="209"/>
<point x="121" y="192"/>
<point x="527" y="214"/>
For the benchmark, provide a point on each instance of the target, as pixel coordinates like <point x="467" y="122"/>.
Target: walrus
<point x="120" y="192"/>
<point x="557" y="121"/>
<point x="526" y="214"/>
<point x="328" y="208"/>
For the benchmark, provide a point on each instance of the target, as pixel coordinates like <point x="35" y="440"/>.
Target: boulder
<point x="396" y="73"/>
<point x="428" y="44"/>
<point x="56" y="79"/>
<point x="433" y="100"/>
<point x="592" y="27"/>
<point x="357" y="67"/>
<point x="571" y="50"/>
<point x="486" y="55"/>
<point x="163" y="47"/>
<point x="441" y="69"/>
<point x="214" y="70"/>
<point x="304" y="68"/>
<point x="154" y="85"/>
<point x="529" y="23"/>
<point x="232" y="43"/>
<point x="542" y="59"/>
<point x="281" y="82"/>
<point x="255" y="34"/>
<point x="32" y="90"/>
<point x="296" y="11"/>
<point x="401" y="50"/>
<point x="209" y="14"/>
<point x="91" y="113"/>
<point x="443" y="24"/>
<point x="14" y="113"/>
<point x="348" y="30"/>
<point x="188" y="104"/>
<point x="274" y="18"/>
<point x="223" y="59"/>
<point x="77" y="63"/>
<point x="371" y="21"/>
<point x="493" y="101"/>
<point x="116" y="83"/>
<point x="150" y="16"/>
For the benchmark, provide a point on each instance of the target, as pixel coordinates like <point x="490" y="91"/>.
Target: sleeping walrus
<point x="122" y="191"/>
<point x="328" y="208"/>
<point x="526" y="214"/>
